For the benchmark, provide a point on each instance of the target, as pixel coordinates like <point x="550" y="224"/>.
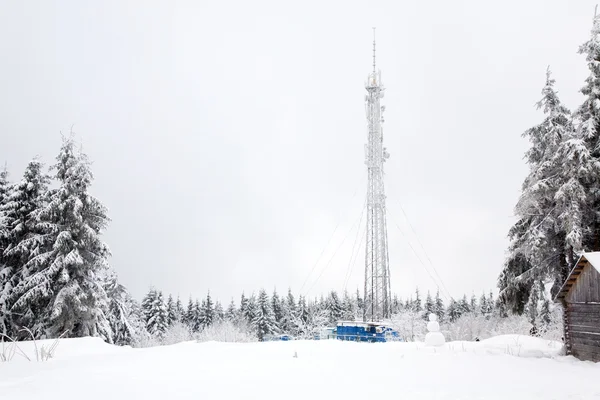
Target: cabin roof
<point x="592" y="259"/>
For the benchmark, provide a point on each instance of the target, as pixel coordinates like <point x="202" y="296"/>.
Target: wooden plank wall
<point x="583" y="338"/>
<point x="587" y="286"/>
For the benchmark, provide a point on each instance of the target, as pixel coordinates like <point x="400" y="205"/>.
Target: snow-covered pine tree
<point x="179" y="311"/>
<point x="396" y="304"/>
<point x="533" y="304"/>
<point x="196" y="322"/>
<point x="429" y="306"/>
<point x="287" y="324"/>
<point x="538" y="246"/>
<point x="123" y="313"/>
<point x="360" y="305"/>
<point x="333" y="307"/>
<point x="483" y="305"/>
<point x="264" y="320"/>
<point x="188" y="318"/>
<point x="545" y="317"/>
<point x="576" y="204"/>
<point x="5" y="187"/>
<point x="291" y="301"/>
<point x="171" y="311"/>
<point x="251" y="310"/>
<point x="219" y="314"/>
<point x="208" y="312"/>
<point x="513" y="281"/>
<point x="155" y="313"/>
<point x="473" y="304"/>
<point x="454" y="310"/>
<point x="463" y="305"/>
<point x="301" y="317"/>
<point x="348" y="308"/>
<point x="440" y="310"/>
<point x="18" y="207"/>
<point x="147" y="303"/>
<point x="277" y="309"/>
<point x="231" y="314"/>
<point x="244" y="312"/>
<point x="417" y="306"/>
<point x="491" y="304"/>
<point x="69" y="258"/>
<point x="588" y="120"/>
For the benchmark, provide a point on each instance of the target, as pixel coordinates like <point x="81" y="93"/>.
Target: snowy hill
<point x="497" y="368"/>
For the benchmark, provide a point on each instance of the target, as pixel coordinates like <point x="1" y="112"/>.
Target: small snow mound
<point x="524" y="346"/>
<point x="68" y="348"/>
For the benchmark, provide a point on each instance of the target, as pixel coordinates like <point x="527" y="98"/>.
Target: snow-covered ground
<point x="503" y="367"/>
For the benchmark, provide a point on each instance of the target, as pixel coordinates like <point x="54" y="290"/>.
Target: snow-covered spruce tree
<point x="333" y="307"/>
<point x="188" y="317"/>
<point x="484" y="306"/>
<point x="454" y="310"/>
<point x="18" y="207"/>
<point x="123" y="315"/>
<point x="301" y="317"/>
<point x="171" y="311"/>
<point x="219" y="314"/>
<point x="429" y="306"/>
<point x="464" y="306"/>
<point x="291" y="301"/>
<point x="360" y="305"/>
<point x="251" y="310"/>
<point x="264" y="320"/>
<point x="396" y="304"/>
<point x="197" y="317"/>
<point x="538" y="246"/>
<point x="536" y="298"/>
<point x="286" y="323"/>
<point x="574" y="204"/>
<point x="179" y="311"/>
<point x="5" y="273"/>
<point x="231" y="314"/>
<point x="588" y="126"/>
<point x="439" y="308"/>
<point x="155" y="313"/>
<point x="348" y="308"/>
<point x="473" y="306"/>
<point x="277" y="309"/>
<point x="5" y="187"/>
<point x="68" y="260"/>
<point x="417" y="304"/>
<point x="208" y="312"/>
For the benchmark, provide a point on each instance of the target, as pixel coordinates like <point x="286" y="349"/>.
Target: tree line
<point x="263" y="314"/>
<point x="558" y="210"/>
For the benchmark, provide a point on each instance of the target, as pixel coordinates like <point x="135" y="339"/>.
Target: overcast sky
<point x="228" y="137"/>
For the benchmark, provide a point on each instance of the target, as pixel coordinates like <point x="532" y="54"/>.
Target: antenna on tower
<point x="374" y="50"/>
<point x="595" y="11"/>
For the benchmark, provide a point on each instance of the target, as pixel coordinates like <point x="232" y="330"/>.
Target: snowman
<point x="434" y="337"/>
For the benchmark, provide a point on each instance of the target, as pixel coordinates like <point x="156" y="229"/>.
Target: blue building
<point x="366" y="332"/>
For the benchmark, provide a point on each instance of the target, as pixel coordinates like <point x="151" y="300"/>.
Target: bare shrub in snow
<point x="409" y="324"/>
<point x="144" y="339"/>
<point x="177" y="333"/>
<point x="226" y="331"/>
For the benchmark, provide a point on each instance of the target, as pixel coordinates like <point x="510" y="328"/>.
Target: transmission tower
<point x="377" y="272"/>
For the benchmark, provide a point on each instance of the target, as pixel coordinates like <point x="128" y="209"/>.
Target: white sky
<point x="228" y="136"/>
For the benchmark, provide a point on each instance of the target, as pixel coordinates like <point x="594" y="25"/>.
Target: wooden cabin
<point x="580" y="297"/>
